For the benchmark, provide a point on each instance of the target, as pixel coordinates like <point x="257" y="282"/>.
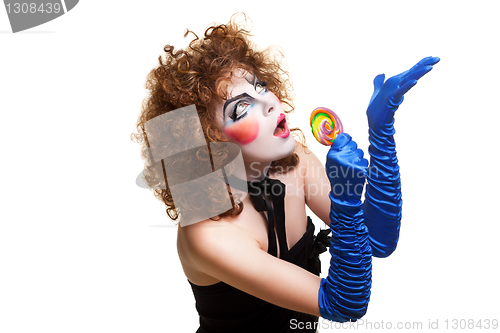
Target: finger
<point x="351" y="146"/>
<point x="398" y="94"/>
<point x="429" y="61"/>
<point x="356" y="156"/>
<point x="358" y="153"/>
<point x="424" y="62"/>
<point x="340" y="141"/>
<point x="361" y="167"/>
<point x="416" y="74"/>
<point x="378" y="82"/>
<point x="361" y="164"/>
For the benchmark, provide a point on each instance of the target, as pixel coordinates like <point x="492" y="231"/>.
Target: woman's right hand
<point x="345" y="293"/>
<point x="346" y="169"/>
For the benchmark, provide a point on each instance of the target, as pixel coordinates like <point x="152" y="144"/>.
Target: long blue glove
<point x="345" y="293"/>
<point x="382" y="205"/>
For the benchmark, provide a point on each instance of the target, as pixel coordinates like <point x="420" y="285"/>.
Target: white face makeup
<point x="253" y="118"/>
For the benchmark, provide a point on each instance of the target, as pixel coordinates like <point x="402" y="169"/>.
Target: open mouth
<point x="281" y="129"/>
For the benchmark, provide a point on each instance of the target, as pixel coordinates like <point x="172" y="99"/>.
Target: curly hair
<point x="199" y="75"/>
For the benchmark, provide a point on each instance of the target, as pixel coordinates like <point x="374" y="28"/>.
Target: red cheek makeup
<point x="243" y="131"/>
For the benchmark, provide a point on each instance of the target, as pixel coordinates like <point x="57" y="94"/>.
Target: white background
<point x="83" y="249"/>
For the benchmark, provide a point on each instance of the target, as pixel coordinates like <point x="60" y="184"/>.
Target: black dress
<point x="223" y="308"/>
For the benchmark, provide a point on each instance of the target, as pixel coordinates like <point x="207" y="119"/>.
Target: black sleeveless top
<point x="223" y="308"/>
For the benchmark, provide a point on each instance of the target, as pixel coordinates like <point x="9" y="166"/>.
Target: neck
<point x="256" y="170"/>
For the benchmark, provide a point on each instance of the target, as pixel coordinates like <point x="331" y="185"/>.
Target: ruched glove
<point x="382" y="205"/>
<point x="345" y="293"/>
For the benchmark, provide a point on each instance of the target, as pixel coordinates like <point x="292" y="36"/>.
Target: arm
<point x="345" y="293"/>
<point x="239" y="261"/>
<point x="383" y="203"/>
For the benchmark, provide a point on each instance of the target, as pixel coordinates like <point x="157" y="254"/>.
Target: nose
<point x="271" y="102"/>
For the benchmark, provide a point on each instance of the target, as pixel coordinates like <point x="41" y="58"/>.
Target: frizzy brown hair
<point x="200" y="75"/>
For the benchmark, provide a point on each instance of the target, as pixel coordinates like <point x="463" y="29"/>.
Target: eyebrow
<point x="229" y="101"/>
<point x="252" y="81"/>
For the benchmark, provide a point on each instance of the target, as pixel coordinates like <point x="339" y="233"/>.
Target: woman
<point x="254" y="267"/>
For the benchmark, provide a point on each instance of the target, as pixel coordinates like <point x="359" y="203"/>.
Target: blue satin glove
<point x="346" y="169"/>
<point x="345" y="293"/>
<point x="383" y="203"/>
<point x="388" y="96"/>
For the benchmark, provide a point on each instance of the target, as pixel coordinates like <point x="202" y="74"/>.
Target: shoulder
<point x="211" y="241"/>
<point x="224" y="253"/>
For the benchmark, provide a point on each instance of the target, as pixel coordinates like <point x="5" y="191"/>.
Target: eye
<point x="240" y="110"/>
<point x="260" y="87"/>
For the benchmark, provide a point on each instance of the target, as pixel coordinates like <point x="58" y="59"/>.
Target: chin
<point x="274" y="153"/>
<point x="285" y="149"/>
<point x="291" y="144"/>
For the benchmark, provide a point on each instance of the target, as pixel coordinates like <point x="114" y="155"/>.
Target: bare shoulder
<point x="221" y="251"/>
<point x="210" y="230"/>
<point x="210" y="238"/>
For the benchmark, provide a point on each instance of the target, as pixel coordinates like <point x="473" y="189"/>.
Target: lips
<point x="281" y="130"/>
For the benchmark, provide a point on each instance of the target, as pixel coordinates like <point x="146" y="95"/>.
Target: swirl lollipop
<point x="325" y="125"/>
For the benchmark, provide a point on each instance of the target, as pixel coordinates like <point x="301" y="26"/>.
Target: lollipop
<point x="325" y="125"/>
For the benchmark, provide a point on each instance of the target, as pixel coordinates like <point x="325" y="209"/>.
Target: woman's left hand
<point x="388" y="95"/>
